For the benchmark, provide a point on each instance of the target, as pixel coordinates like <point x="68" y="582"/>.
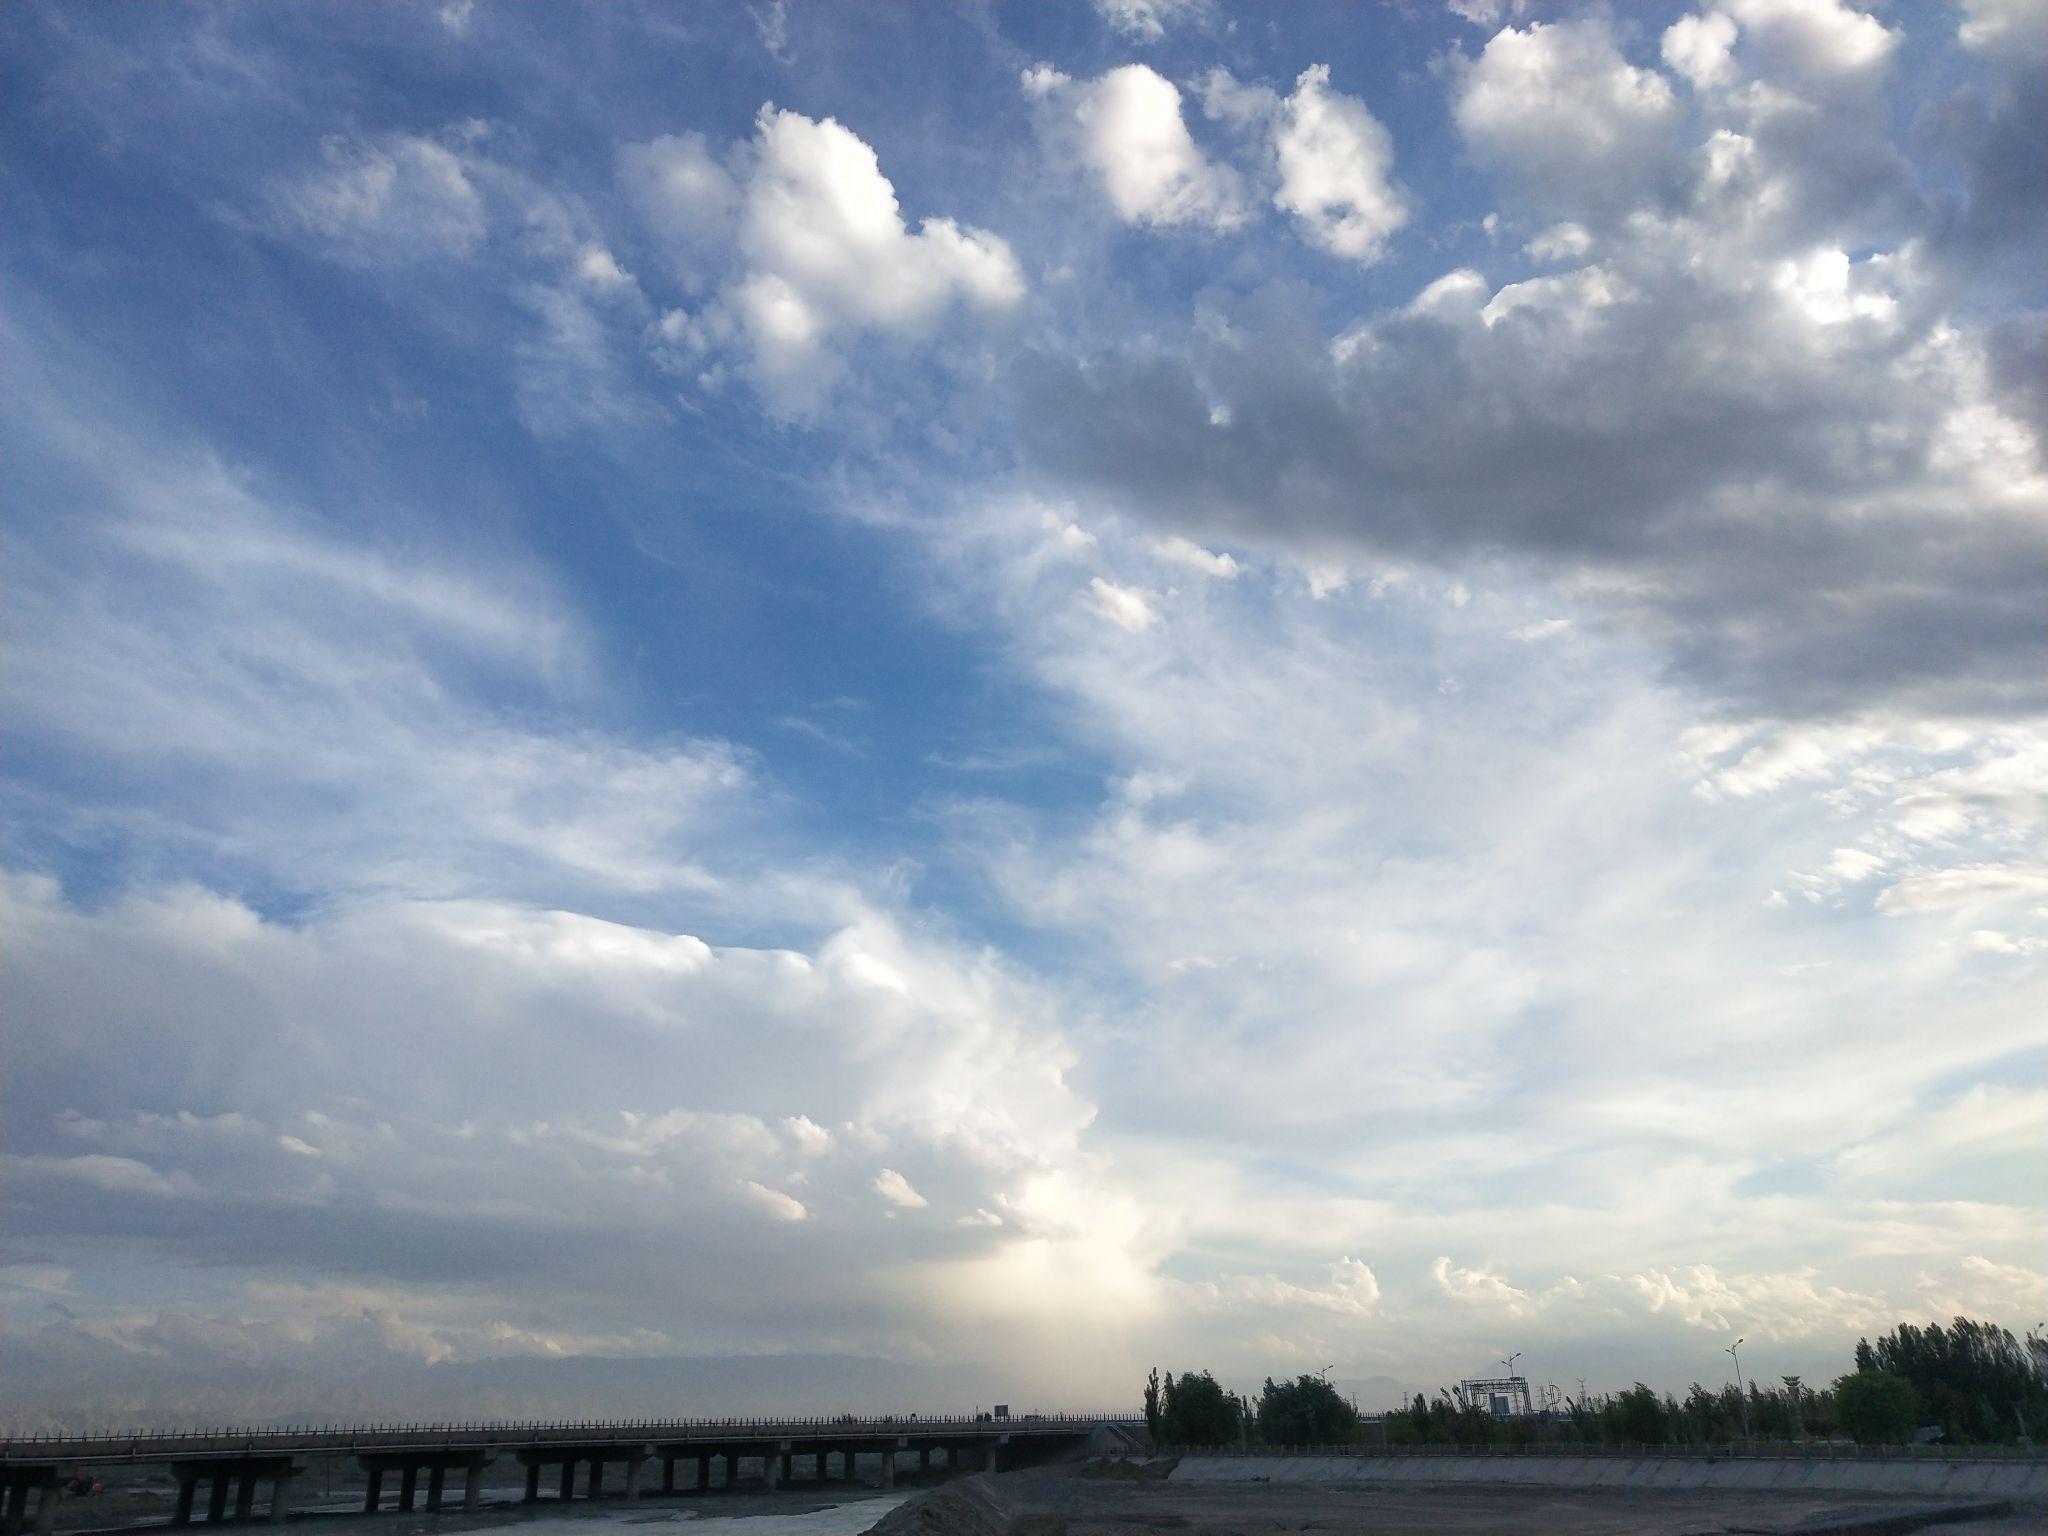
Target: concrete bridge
<point x="235" y="1465"/>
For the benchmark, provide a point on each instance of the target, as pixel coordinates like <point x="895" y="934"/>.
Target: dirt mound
<point x="974" y="1506"/>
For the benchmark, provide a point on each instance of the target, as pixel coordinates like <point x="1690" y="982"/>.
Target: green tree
<point x="1196" y="1410"/>
<point x="1875" y="1407"/>
<point x="1305" y="1411"/>
<point x="1974" y="1379"/>
<point x="1637" y="1416"/>
<point x="1152" y="1403"/>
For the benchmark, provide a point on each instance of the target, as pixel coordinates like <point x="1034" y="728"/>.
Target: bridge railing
<point x="349" y="1436"/>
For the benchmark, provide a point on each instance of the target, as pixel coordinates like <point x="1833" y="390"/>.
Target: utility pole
<point x="1742" y="1395"/>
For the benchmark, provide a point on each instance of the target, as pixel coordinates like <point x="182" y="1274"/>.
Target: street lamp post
<point x="1741" y="1393"/>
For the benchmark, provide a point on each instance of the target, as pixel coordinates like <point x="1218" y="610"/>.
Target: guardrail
<point x="1814" y="1450"/>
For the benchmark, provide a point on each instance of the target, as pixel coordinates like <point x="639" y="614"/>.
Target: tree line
<point x="1970" y="1383"/>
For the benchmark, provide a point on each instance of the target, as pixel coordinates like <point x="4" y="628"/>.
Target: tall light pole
<point x="1741" y="1393"/>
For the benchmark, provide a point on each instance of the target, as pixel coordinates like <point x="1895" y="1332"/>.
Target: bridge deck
<point x="470" y="1438"/>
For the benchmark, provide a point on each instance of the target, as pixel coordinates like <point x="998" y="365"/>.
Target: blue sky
<point x="1017" y="690"/>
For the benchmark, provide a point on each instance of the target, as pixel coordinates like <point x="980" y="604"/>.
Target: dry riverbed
<point x="1063" y="1502"/>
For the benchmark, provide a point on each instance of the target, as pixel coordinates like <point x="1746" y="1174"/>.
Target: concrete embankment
<point x="1962" y="1479"/>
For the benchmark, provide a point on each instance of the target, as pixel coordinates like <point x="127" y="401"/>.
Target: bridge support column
<point x="217" y="1498"/>
<point x="373" y="1491"/>
<point x="245" y="1496"/>
<point x="533" y="1482"/>
<point x="633" y="1477"/>
<point x="16" y="1509"/>
<point x="704" y="1473"/>
<point x="924" y="1462"/>
<point x="732" y="1469"/>
<point x="821" y="1459"/>
<point x="668" y="1474"/>
<point x="281" y="1496"/>
<point x="568" y="1481"/>
<point x="597" y="1477"/>
<point x="46" y="1508"/>
<point x="408" y="1488"/>
<point x="768" y="1470"/>
<point x="788" y="1463"/>
<point x="473" y="1486"/>
<point x="188" y="1487"/>
<point x="437" y="1484"/>
<point x="889" y="1467"/>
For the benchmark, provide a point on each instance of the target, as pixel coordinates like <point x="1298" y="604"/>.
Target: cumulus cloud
<point x="1569" y="120"/>
<point x="1709" y="421"/>
<point x="1127" y="129"/>
<point x="814" y="248"/>
<point x="1336" y="163"/>
<point x="897" y="1190"/>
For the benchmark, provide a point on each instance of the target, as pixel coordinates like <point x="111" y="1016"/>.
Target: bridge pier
<point x="533" y="1482"/>
<point x="633" y="1476"/>
<point x="373" y="1489"/>
<point x="732" y="1469"/>
<point x="568" y="1481"/>
<point x="217" y="1498"/>
<point x="768" y="1470"/>
<point x="437" y="1484"/>
<point x="188" y="1486"/>
<point x="704" y="1473"/>
<point x="473" y="1486"/>
<point x="281" y="1495"/>
<point x="889" y="1467"/>
<point x="408" y="1487"/>
<point x="822" y="1458"/>
<point x="595" y="1487"/>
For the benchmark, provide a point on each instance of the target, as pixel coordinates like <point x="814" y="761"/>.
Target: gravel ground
<point x="1060" y="1503"/>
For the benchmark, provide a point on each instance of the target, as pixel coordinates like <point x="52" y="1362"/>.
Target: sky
<point x="930" y="704"/>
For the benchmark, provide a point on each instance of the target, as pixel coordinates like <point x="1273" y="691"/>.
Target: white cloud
<point x="108" y="1175"/>
<point x="690" y="199"/>
<point x="1185" y="552"/>
<point x="1560" y="242"/>
<point x="783" y="1207"/>
<point x="597" y="269"/>
<point x="1126" y="607"/>
<point x="1147" y="21"/>
<point x="1541" y="629"/>
<point x="1336" y="163"/>
<point x="897" y="1190"/>
<point x="813" y="248"/>
<point x="1130" y="133"/>
<point x="2014" y="28"/>
<point x="1818" y="40"/>
<point x="1559" y="108"/>
<point x="393" y="199"/>
<point x="1701" y="48"/>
